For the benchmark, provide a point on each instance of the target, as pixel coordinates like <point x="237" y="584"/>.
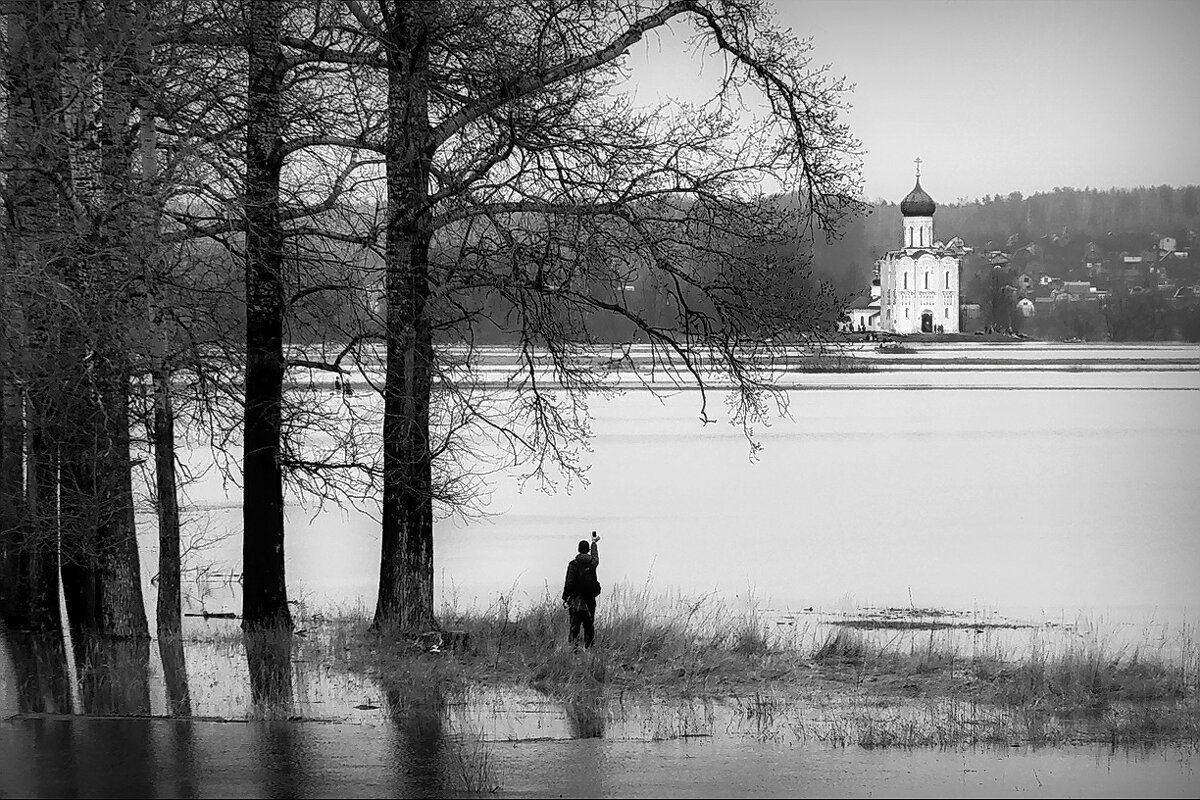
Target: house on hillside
<point x="997" y="259"/>
<point x="1075" y="291"/>
<point x="959" y="246"/>
<point x="863" y="309"/>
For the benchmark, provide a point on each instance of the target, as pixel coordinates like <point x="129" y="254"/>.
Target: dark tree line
<point x="1064" y="218"/>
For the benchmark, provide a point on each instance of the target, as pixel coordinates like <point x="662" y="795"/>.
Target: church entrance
<point x="927" y="322"/>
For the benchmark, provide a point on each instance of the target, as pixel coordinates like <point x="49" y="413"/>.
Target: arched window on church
<point x="947" y="279"/>
<point x="926" y="279"/>
<point x="906" y="280"/>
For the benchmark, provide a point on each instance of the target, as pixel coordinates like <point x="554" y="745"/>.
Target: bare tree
<point x="553" y="199"/>
<point x="265" y="599"/>
<point x="69" y="217"/>
<point x="280" y="218"/>
<point x="522" y="203"/>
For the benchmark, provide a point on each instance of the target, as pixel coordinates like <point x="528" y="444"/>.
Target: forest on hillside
<point x="1066" y="220"/>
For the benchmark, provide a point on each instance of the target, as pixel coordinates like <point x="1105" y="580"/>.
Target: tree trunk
<point x="269" y="659"/>
<point x="40" y="557"/>
<point x="169" y="610"/>
<point x="169" y="601"/>
<point x="123" y="611"/>
<point x="35" y="158"/>
<point x="264" y="586"/>
<point x="12" y="458"/>
<point x="78" y="511"/>
<point x="406" y="563"/>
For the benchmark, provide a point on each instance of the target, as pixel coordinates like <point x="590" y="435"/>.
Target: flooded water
<point x="1006" y="498"/>
<point x="180" y="758"/>
<point x="954" y="485"/>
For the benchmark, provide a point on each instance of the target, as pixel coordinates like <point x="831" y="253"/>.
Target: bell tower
<point x="917" y="210"/>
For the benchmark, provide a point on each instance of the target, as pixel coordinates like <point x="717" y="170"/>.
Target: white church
<point x="918" y="284"/>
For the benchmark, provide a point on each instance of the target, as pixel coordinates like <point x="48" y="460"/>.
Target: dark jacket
<point x="571" y="588"/>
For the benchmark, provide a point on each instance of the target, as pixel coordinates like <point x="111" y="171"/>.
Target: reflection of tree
<point x="116" y="758"/>
<point x="417" y="708"/>
<point x="586" y="715"/>
<point x="178" y="756"/>
<point x="42" y="681"/>
<point x="55" y="736"/>
<point x="114" y="674"/>
<point x="179" y="698"/>
<point x="284" y="755"/>
<point x="269" y="656"/>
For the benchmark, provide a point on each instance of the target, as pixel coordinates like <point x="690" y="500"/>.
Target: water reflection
<point x="179" y="696"/>
<point x="176" y="745"/>
<point x="284" y="758"/>
<point x="417" y="708"/>
<point x="41" y="681"/>
<point x="586" y="715"/>
<point x="114" y="674"/>
<point x="269" y="657"/>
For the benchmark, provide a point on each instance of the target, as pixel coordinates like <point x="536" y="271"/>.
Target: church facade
<point x="919" y="282"/>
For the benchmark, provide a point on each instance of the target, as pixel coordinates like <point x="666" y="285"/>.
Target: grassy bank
<point x="833" y="684"/>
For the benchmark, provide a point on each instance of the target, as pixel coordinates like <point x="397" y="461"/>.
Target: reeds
<point x="893" y="688"/>
<point x="642" y="639"/>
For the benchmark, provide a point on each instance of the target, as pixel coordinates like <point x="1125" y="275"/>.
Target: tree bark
<point x="123" y="611"/>
<point x="405" y="598"/>
<point x="264" y="585"/>
<point x="169" y="610"/>
<point x="35" y="157"/>
<point x="12" y="458"/>
<point x="78" y="514"/>
<point x="169" y="602"/>
<point x="40" y="561"/>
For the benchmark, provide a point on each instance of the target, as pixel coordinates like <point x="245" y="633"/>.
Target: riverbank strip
<point x="844" y="687"/>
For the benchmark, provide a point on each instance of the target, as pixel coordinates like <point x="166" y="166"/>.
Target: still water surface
<point x="1041" y="492"/>
<point x="1055" y="494"/>
<point x="179" y="758"/>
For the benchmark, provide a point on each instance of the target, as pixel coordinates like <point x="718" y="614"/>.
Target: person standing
<point x="581" y="589"/>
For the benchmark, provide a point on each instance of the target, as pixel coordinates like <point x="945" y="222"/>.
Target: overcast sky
<point x="1016" y="96"/>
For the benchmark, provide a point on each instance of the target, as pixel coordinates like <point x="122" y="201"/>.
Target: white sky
<point x="994" y="97"/>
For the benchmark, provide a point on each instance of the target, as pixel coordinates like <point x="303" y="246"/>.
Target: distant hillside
<point x="1064" y="221"/>
<point x="1068" y="217"/>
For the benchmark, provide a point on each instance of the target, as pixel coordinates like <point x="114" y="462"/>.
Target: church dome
<point x="918" y="203"/>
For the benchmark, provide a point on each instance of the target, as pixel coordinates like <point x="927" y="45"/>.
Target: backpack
<point x="586" y="583"/>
